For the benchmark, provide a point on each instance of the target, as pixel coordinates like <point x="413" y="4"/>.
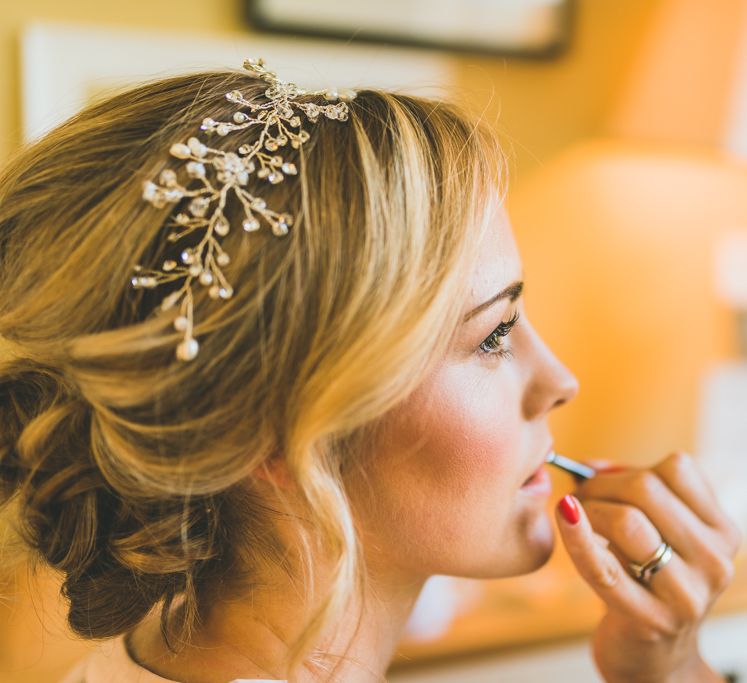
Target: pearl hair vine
<point x="278" y="120"/>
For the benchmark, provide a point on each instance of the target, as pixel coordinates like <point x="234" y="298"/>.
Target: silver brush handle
<point x="576" y="468"/>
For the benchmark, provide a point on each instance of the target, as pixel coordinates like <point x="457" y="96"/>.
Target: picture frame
<point x="538" y="29"/>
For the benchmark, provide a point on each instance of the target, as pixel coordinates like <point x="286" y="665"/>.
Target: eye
<point x="494" y="344"/>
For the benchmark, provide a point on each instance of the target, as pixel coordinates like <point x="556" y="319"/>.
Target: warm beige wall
<point x="673" y="92"/>
<point x="544" y="105"/>
<point x="192" y="15"/>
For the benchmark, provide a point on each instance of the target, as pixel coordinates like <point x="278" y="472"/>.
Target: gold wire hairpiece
<point x="280" y="124"/>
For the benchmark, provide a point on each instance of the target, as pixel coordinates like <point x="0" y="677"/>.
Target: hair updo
<point x="133" y="473"/>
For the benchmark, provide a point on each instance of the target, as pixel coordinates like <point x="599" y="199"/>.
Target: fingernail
<point x="569" y="509"/>
<point x="612" y="468"/>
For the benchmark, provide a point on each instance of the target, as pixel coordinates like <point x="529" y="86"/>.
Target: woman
<point x="358" y="400"/>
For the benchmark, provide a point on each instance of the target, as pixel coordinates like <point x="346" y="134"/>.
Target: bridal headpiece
<point x="279" y="122"/>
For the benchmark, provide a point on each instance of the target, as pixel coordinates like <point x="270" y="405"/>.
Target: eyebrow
<point x="512" y="292"/>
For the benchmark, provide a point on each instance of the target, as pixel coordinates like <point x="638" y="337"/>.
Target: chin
<point x="539" y="546"/>
<point x="540" y="554"/>
<point x="530" y="551"/>
<point x="534" y="548"/>
<point x="526" y="564"/>
<point x="534" y="559"/>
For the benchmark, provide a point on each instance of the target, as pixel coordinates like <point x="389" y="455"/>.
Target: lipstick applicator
<point x="577" y="469"/>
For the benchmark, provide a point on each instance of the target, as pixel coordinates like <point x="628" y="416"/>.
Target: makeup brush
<point x="577" y="469"/>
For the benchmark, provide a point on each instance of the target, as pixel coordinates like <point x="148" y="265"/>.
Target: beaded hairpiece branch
<point x="279" y="124"/>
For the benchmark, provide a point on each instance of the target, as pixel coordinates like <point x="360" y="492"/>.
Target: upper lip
<point x="541" y="462"/>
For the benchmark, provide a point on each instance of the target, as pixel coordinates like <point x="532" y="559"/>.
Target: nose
<point x="567" y="386"/>
<point x="551" y="384"/>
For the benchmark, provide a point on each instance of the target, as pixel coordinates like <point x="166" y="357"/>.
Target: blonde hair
<point x="134" y="473"/>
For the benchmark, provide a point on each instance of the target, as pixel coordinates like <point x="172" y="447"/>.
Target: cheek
<point x="472" y="434"/>
<point x="446" y="473"/>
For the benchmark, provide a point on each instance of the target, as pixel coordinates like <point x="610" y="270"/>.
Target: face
<point x="444" y="492"/>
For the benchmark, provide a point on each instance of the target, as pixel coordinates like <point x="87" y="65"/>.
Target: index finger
<point x="602" y="571"/>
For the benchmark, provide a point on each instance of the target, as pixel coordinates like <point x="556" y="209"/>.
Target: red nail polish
<point x="569" y="509"/>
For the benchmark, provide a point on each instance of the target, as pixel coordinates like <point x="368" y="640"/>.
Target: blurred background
<point x="627" y="128"/>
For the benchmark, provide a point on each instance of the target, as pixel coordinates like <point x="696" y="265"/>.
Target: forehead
<point x="498" y="263"/>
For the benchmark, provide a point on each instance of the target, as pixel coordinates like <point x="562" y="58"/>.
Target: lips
<point x="539" y="467"/>
<point x="532" y="475"/>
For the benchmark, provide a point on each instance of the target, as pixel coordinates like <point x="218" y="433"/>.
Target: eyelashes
<point x="494" y="343"/>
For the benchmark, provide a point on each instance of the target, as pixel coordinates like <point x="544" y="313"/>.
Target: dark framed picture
<point x="523" y="28"/>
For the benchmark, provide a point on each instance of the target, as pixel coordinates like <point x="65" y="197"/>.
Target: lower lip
<point x="539" y="484"/>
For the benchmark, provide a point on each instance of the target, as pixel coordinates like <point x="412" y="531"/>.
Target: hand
<point x="649" y="632"/>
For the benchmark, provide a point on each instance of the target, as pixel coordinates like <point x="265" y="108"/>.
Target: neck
<point x="244" y="638"/>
